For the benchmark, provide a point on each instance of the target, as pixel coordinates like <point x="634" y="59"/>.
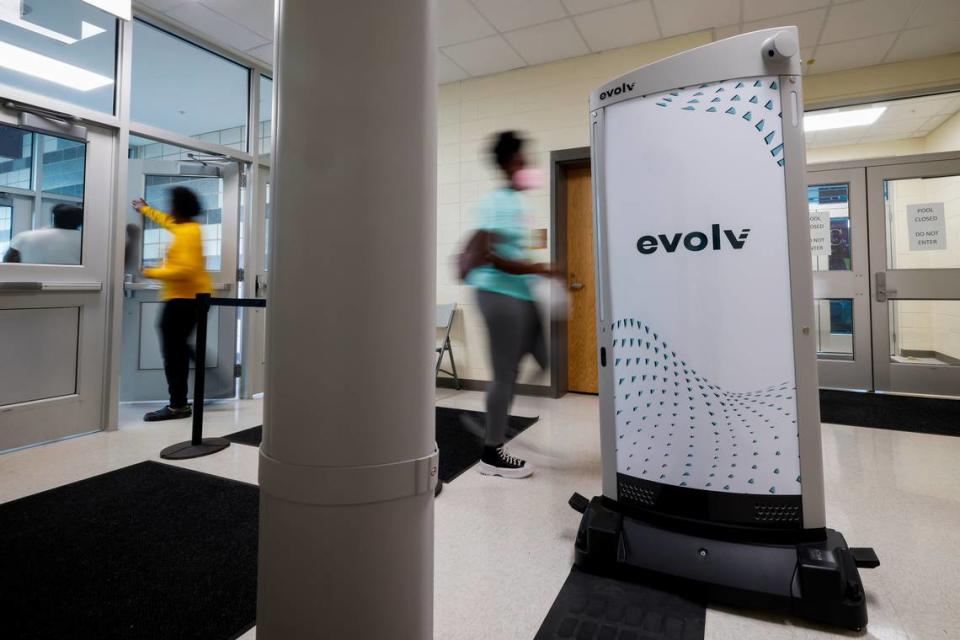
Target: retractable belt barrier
<point x="199" y="446"/>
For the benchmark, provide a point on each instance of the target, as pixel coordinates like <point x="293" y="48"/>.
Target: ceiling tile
<point x="481" y="57"/>
<point x="217" y="27"/>
<point x="582" y="6"/>
<point x="866" y="18"/>
<point x="926" y="41"/>
<point x="687" y="16"/>
<point x="760" y="9"/>
<point x="935" y="12"/>
<point x="507" y="15"/>
<point x="933" y="123"/>
<point x="898" y="126"/>
<point x="926" y="107"/>
<point x="264" y="53"/>
<point x="447" y="70"/>
<point x="619" y="26"/>
<point x="548" y="42"/>
<point x="808" y="22"/>
<point x="865" y="52"/>
<point x="458" y="21"/>
<point x="256" y="15"/>
<point x="950" y="105"/>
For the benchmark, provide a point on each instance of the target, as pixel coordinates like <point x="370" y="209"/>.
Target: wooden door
<point x="581" y="282"/>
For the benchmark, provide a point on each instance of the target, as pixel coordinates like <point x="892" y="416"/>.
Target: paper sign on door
<point x="820" y="232"/>
<point x="926" y="226"/>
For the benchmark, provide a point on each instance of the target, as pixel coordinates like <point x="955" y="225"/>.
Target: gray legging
<point x="514" y="329"/>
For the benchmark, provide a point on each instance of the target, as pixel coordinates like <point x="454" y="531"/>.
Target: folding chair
<point x="445" y="314"/>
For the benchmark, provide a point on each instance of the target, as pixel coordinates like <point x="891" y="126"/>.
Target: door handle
<point x="881" y="287"/>
<point x="576" y="286"/>
<point x="259" y="285"/>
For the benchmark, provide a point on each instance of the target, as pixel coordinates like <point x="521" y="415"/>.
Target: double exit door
<point x="885" y="237"/>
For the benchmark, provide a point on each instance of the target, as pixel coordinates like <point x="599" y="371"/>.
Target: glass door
<point x="915" y="260"/>
<point x="56" y="201"/>
<point x="153" y="169"/>
<point x="838" y="239"/>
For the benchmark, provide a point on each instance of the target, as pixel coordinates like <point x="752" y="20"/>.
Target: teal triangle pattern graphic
<point x="674" y="425"/>
<point x="766" y="93"/>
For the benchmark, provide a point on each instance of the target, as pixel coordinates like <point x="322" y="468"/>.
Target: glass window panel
<point x="208" y="103"/>
<point x="266" y="230"/>
<point x="42" y="217"/>
<point x="16" y="158"/>
<point x="62" y="49"/>
<point x="830" y="207"/>
<point x="923" y="223"/>
<point x="157" y="193"/>
<point x="925" y="332"/>
<point x="63" y="165"/>
<point x="834" y="326"/>
<point x="266" y="115"/>
<point x="6" y="224"/>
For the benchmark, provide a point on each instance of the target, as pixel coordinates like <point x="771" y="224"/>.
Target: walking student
<point x="506" y="299"/>
<point x="184" y="275"/>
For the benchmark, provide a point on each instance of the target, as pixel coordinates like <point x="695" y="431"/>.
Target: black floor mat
<point x="457" y="438"/>
<point x="884" y="411"/>
<point x="590" y="607"/>
<point x="150" y="551"/>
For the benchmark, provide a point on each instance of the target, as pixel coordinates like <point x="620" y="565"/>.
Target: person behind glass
<point x="183" y="275"/>
<point x="59" y="244"/>
<point x="506" y="299"/>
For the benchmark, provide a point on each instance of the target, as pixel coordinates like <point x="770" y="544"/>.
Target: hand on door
<point x="138" y="203"/>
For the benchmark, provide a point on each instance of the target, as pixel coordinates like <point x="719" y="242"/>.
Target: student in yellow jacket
<point x="184" y="275"/>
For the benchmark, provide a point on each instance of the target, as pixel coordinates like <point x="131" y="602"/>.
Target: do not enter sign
<point x="927" y="226"/>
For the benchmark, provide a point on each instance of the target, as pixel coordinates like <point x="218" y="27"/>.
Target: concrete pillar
<point x="348" y="463"/>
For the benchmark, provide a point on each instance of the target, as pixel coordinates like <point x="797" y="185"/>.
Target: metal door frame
<point x="854" y="285"/>
<point x="85" y="286"/>
<point x="907" y="284"/>
<point x="255" y="286"/>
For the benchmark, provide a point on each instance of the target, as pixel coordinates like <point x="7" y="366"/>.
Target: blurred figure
<point x="506" y="299"/>
<point x="184" y="275"/>
<point x="59" y="244"/>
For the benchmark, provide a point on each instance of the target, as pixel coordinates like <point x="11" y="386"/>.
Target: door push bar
<point x="197" y="445"/>
<point x="881" y="287"/>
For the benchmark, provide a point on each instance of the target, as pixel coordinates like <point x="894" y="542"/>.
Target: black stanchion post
<point x="200" y="370"/>
<point x="198" y="446"/>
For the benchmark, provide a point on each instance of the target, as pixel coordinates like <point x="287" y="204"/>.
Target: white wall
<point x="547" y="102"/>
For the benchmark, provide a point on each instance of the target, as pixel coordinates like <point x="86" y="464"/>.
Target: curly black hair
<point x="186" y="205"/>
<point x="506" y="145"/>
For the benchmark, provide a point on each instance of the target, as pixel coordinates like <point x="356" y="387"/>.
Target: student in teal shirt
<point x="505" y="298"/>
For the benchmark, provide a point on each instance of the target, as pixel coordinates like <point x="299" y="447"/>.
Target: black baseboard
<point x="542" y="391"/>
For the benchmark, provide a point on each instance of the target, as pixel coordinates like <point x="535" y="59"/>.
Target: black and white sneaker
<point x="497" y="462"/>
<point x="168" y="413"/>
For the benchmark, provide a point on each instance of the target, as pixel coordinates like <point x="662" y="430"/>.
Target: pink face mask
<point x="527" y="179"/>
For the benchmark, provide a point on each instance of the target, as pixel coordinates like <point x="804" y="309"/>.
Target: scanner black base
<point x="814" y="577"/>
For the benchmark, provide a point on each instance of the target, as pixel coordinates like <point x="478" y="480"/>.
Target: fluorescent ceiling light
<point x="842" y="119"/>
<point x="46" y="68"/>
<point x="119" y="8"/>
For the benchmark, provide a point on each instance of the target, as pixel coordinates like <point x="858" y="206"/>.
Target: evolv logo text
<point x="693" y="240"/>
<point x="623" y="88"/>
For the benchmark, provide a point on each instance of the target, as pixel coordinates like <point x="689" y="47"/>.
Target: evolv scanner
<point x="710" y="422"/>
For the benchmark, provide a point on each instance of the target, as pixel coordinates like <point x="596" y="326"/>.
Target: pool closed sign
<point x="927" y="226"/>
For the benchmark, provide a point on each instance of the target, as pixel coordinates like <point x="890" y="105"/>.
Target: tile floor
<point x="895" y="491"/>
